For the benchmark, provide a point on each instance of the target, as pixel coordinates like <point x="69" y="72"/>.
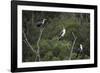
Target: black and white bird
<point x="62" y="33"/>
<point x="41" y="23"/>
<point x="81" y="48"/>
<point x="78" y="50"/>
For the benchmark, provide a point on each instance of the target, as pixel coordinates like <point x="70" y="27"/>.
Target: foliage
<point x="52" y="49"/>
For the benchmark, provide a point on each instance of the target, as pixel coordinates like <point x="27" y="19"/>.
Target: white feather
<point x="44" y="21"/>
<point x="63" y="32"/>
<point x="81" y="47"/>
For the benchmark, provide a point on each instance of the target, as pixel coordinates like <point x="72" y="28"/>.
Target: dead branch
<point x="38" y="50"/>
<point x="27" y="43"/>
<point x="72" y="45"/>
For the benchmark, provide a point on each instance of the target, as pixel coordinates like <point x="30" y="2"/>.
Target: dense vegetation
<point x="77" y="27"/>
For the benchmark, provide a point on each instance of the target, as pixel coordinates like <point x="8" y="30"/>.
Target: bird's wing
<point x="39" y="22"/>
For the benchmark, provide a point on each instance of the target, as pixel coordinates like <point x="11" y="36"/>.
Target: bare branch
<point x="27" y="42"/>
<point x="38" y="50"/>
<point x="72" y="45"/>
<point x="73" y="35"/>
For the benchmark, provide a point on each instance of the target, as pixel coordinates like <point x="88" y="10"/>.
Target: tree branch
<point x="27" y="43"/>
<point x="38" y="50"/>
<point x="72" y="45"/>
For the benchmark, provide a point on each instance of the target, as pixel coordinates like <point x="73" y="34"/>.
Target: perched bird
<point x="78" y="50"/>
<point x="62" y="33"/>
<point x="81" y="48"/>
<point x="41" y="23"/>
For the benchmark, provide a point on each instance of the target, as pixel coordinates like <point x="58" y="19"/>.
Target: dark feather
<point x="40" y="23"/>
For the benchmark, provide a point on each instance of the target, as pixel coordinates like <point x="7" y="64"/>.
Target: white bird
<point x="62" y="33"/>
<point x="81" y="47"/>
<point x="41" y="23"/>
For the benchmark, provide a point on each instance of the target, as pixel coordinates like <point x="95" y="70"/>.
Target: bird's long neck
<point x="43" y="21"/>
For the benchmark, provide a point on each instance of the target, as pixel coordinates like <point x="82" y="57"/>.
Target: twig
<point x="27" y="42"/>
<point x="38" y="50"/>
<point x="72" y="46"/>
